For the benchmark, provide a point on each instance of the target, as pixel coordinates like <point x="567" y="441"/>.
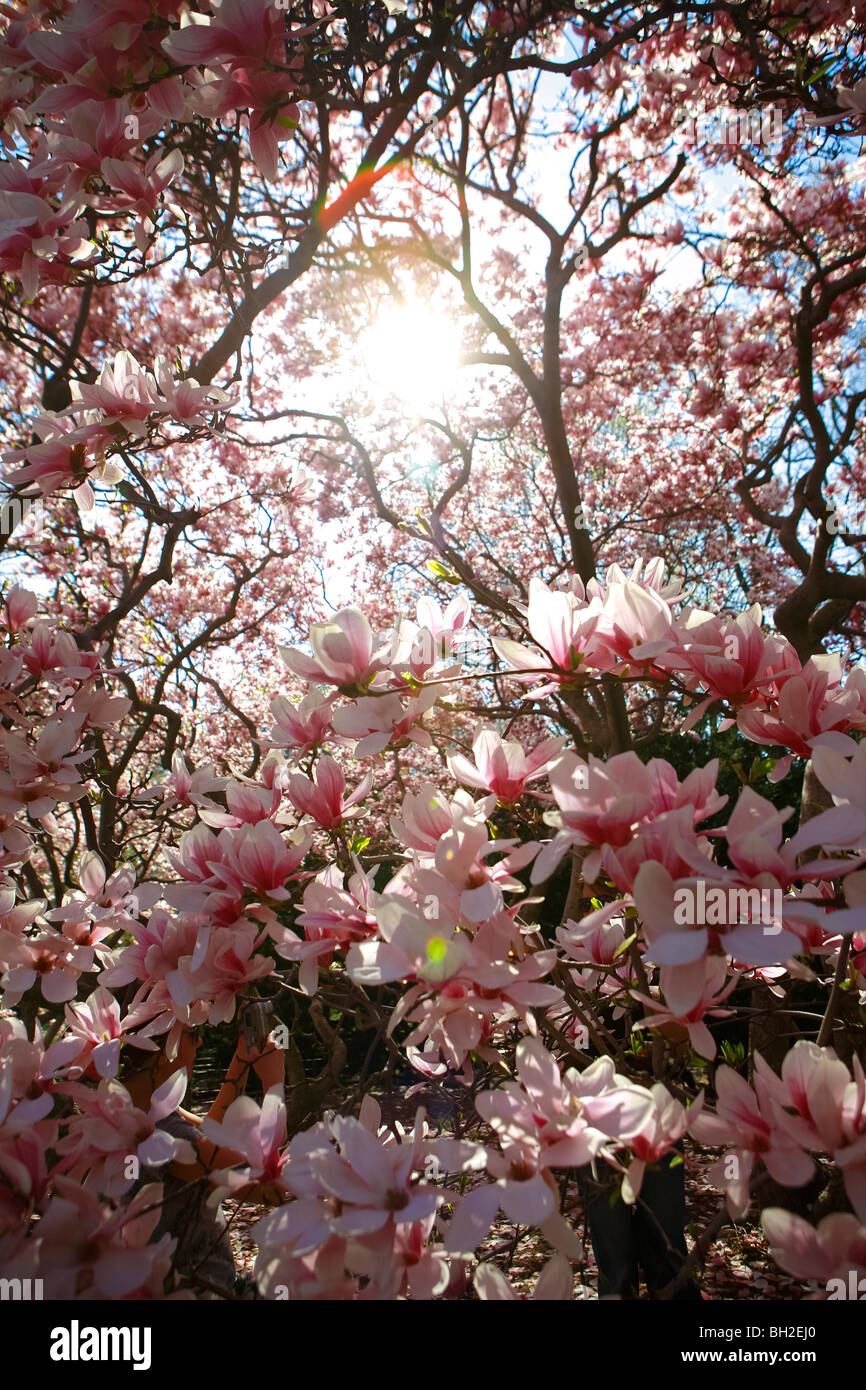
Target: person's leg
<point x="611" y="1229"/>
<point x="659" y="1227"/>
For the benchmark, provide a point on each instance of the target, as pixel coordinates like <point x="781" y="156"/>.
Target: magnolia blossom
<point x="596" y="938"/>
<point x="349" y="1184"/>
<point x="819" y="1106"/>
<point x="184" y="788"/>
<point x="411" y="946"/>
<point x="257" y="1133"/>
<point x="555" y="1282"/>
<point x="658" y="1135"/>
<point x="342" y="653"/>
<point x="97" y="1023"/>
<point x="322" y="797"/>
<point x="111" y="1129"/>
<point x="84" y="1249"/>
<point x="543" y="1121"/>
<point x="809" y="707"/>
<point x="564" y="629"/>
<point x="300" y="727"/>
<point x="604" y="804"/>
<point x="49" y="958"/>
<point x="741" y="1124"/>
<point x="426" y="816"/>
<point x="502" y="767"/>
<point x="379" y="721"/>
<point x="834" y="1249"/>
<point x="693" y="992"/>
<point x="731" y="658"/>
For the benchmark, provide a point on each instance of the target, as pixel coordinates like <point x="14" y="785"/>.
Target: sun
<point x="413" y="352"/>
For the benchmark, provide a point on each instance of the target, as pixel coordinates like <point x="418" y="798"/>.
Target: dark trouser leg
<point x="659" y="1225"/>
<point x="612" y="1231"/>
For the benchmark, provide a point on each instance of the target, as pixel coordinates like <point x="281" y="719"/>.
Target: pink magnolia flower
<point x="21" y="608"/>
<point x="139" y="185"/>
<point x="350" y="1184"/>
<point x="441" y="623"/>
<point x="604" y="803"/>
<point x="247" y="804"/>
<point x="809" y="707"/>
<point x="300" y="727"/>
<point x="681" y="945"/>
<point x="669" y="841"/>
<point x="656" y="1137"/>
<point x="502" y="767"/>
<point x="693" y="991"/>
<point x="34" y="1067"/>
<point x="555" y="1282"/>
<point x="740" y="1125"/>
<point x="55" y="657"/>
<point x="222" y="966"/>
<point x="829" y="1109"/>
<point x="563" y="627"/>
<point x="120" y="394"/>
<point x="111" y="1129"/>
<point x="595" y="938"/>
<point x="26" y="1077"/>
<point x="244" y="33"/>
<point x="331" y="918"/>
<point x="40" y="776"/>
<point x="317" y="1274"/>
<point x="256" y="1132"/>
<point x="84" y="1249"/>
<point x="422" y="645"/>
<point x="833" y="1249"/>
<point x="462" y="867"/>
<point x="65" y="457"/>
<point x="184" y="788"/>
<point x="411" y="946"/>
<point x="100" y="709"/>
<point x="156" y="949"/>
<point x="182" y="398"/>
<point x="97" y="1024"/>
<point x="489" y="990"/>
<point x="342" y="653"/>
<point x="103" y="896"/>
<point x="418" y="1270"/>
<point x="378" y="721"/>
<point x="542" y="1122"/>
<point x="39" y="241"/>
<point x="322" y="798"/>
<point x="730" y="657"/>
<point x="49" y="958"/>
<point x="256" y="858"/>
<point x="426" y="816"/>
<point x="634" y="629"/>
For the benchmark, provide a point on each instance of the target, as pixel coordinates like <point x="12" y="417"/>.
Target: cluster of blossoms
<point x="366" y="1212"/>
<point x="124" y="403"/>
<point x="90" y="92"/>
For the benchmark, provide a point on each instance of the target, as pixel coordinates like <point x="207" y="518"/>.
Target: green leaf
<point x="441" y="572"/>
<point x="824" y="68"/>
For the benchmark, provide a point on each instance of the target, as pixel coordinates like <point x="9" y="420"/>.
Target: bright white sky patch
<point x="413" y="352"/>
